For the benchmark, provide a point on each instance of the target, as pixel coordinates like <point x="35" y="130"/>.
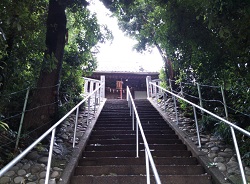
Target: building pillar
<point x="103" y="86"/>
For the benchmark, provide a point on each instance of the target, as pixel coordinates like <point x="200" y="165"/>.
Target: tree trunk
<point x="44" y="103"/>
<point x="168" y="64"/>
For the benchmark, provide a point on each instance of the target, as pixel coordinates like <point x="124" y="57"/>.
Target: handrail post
<point x="95" y="103"/>
<point x="200" y="98"/>
<point x="137" y="139"/>
<point x="50" y="155"/>
<point x="165" y="108"/>
<point x="133" y="119"/>
<point x="88" y="110"/>
<point x="181" y="89"/>
<point x="76" y="120"/>
<point x="147" y="167"/>
<point x="197" y="127"/>
<point x="224" y="101"/>
<point x="238" y="156"/>
<point x="22" y="117"/>
<point x="176" y="113"/>
<point x="149" y="93"/>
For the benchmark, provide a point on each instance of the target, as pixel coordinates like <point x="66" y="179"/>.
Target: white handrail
<point x="232" y="126"/>
<point x="52" y="129"/>
<point x="148" y="155"/>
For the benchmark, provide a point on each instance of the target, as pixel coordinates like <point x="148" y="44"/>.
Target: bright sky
<point x="119" y="55"/>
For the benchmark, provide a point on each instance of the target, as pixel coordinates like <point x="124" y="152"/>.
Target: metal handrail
<point x="148" y="155"/>
<point x="232" y="126"/>
<point x="53" y="129"/>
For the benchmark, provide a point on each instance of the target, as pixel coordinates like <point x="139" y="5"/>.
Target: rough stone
<point x="55" y="174"/>
<point x="219" y="159"/>
<point x="32" y="178"/>
<point x="21" y="172"/>
<point x="210" y="145"/>
<point x="57" y="151"/>
<point x="57" y="169"/>
<point x="225" y="154"/>
<point x="33" y="155"/>
<point x="26" y="166"/>
<point x="9" y="173"/>
<point x="43" y="160"/>
<point x="64" y="136"/>
<point x="14" y="168"/>
<point x="247" y="170"/>
<point x="66" y="123"/>
<point x="4" y="180"/>
<point x="212" y="155"/>
<point x="204" y="140"/>
<point x="222" y="167"/>
<point x="215" y="149"/>
<point x="20" y="165"/>
<point x="41" y="181"/>
<point x="228" y="150"/>
<point x="18" y="179"/>
<point x="205" y="150"/>
<point x="213" y="138"/>
<point x="35" y="169"/>
<point x="42" y="174"/>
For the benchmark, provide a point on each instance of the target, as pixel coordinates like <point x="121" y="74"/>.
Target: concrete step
<point x="99" y="147"/>
<point x="110" y="154"/>
<point x="138" y="170"/>
<point x="121" y="132"/>
<point x="130" y="136"/>
<point x="165" y="179"/>
<point x="136" y="161"/>
<point x="129" y="153"/>
<point x="129" y="127"/>
<point x="132" y="141"/>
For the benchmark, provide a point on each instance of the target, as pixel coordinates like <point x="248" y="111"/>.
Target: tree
<point x="85" y="33"/>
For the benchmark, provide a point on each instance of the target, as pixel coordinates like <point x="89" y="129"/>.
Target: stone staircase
<point x="110" y="154"/>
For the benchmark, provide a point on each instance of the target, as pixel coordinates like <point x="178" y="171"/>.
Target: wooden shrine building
<point x="117" y="82"/>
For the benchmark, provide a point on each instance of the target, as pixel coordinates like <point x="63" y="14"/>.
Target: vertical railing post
<point x="133" y="119"/>
<point x="200" y="98"/>
<point x="50" y="156"/>
<point x="137" y="139"/>
<point x="181" y="89"/>
<point x="88" y="110"/>
<point x="238" y="156"/>
<point x="197" y="127"/>
<point x="103" y="86"/>
<point x="95" y="103"/>
<point x="76" y="120"/>
<point x="147" y="167"/>
<point x="86" y="83"/>
<point x="22" y="117"/>
<point x="148" y="80"/>
<point x="176" y="112"/>
<point x="224" y="101"/>
<point x="170" y="84"/>
<point x="234" y="139"/>
<point x="154" y="90"/>
<point x="98" y="93"/>
<point x="164" y="96"/>
<point x="91" y="86"/>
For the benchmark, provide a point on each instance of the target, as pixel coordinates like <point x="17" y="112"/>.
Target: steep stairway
<point x="110" y="155"/>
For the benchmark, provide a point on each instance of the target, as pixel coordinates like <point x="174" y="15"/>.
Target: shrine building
<point x="117" y="82"/>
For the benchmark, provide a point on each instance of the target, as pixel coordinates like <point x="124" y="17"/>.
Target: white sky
<point x="119" y="55"/>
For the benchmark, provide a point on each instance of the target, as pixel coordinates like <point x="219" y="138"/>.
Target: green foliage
<point x="185" y="108"/>
<point x="163" y="78"/>
<point x="3" y="126"/>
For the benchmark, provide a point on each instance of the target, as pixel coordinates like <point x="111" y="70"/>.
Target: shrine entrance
<point x="117" y="82"/>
